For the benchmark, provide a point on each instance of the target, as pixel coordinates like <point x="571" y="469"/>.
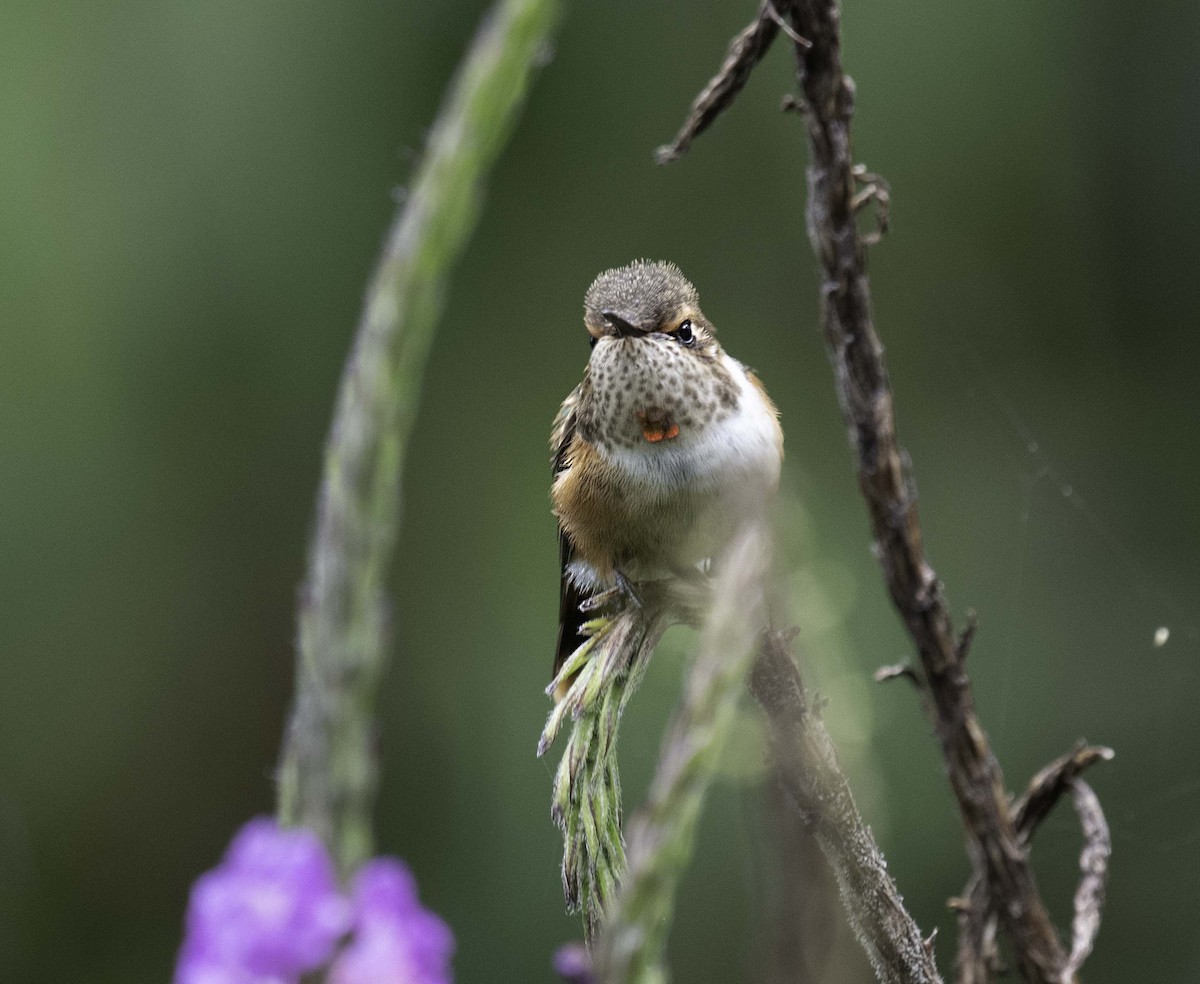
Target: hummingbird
<point x="664" y="449"/>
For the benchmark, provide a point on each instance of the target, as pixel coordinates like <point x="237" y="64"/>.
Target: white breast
<point x="709" y="482"/>
<point x="742" y="446"/>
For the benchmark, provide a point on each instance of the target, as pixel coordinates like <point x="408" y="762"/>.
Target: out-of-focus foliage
<point x="191" y="196"/>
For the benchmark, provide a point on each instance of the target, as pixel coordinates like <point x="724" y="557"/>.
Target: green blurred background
<point x="191" y="196"/>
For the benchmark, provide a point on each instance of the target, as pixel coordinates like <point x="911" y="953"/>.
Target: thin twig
<point x="898" y="671"/>
<point x="1048" y="785"/>
<point x="745" y="51"/>
<point x="977" y="954"/>
<point x="327" y="776"/>
<point x="1093" y="862"/>
<point x="784" y="26"/>
<point x="887" y="484"/>
<point x="804" y="759"/>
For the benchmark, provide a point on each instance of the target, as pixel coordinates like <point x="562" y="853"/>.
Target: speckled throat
<point x="651" y="388"/>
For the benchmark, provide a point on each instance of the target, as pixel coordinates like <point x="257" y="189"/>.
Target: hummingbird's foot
<point x="627" y="590"/>
<point x="599" y="600"/>
<point x="622" y="590"/>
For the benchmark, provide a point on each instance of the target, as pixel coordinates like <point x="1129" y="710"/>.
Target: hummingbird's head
<point x="656" y="372"/>
<point x="646" y="299"/>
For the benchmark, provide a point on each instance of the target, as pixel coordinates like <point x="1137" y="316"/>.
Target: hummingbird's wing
<point x="569" y="597"/>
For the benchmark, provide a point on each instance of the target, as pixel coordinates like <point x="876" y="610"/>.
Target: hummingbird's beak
<point x="622" y="327"/>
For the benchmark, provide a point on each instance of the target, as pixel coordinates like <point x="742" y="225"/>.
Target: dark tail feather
<point x="569" y="620"/>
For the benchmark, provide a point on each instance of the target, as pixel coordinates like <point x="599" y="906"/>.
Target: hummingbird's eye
<point x="684" y="333"/>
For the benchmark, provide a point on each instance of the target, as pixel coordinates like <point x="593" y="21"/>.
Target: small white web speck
<point x="1161" y="635"/>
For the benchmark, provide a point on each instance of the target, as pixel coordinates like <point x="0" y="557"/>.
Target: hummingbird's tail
<point x="569" y="619"/>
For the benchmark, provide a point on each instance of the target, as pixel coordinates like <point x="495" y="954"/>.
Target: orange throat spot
<point x="658" y="432"/>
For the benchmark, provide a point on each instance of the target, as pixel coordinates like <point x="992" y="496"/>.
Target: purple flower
<point x="573" y="964"/>
<point x="271" y="912"/>
<point x="267" y="914"/>
<point x="200" y="970"/>
<point x="396" y="941"/>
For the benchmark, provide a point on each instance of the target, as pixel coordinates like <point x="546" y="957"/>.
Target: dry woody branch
<point x="838" y="189"/>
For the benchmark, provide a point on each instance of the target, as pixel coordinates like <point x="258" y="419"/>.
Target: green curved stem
<point x="327" y="778"/>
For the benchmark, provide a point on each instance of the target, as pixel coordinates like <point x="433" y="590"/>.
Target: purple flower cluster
<point x="271" y="912"/>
